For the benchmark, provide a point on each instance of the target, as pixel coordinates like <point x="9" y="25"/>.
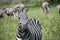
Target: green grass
<point x="50" y="24"/>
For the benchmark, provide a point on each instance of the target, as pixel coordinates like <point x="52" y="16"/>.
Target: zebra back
<point x="35" y="29"/>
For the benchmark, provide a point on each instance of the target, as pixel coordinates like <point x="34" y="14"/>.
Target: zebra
<point x="45" y="6"/>
<point x="28" y="29"/>
<point x="10" y="11"/>
<point x="19" y="7"/>
<point x="58" y="8"/>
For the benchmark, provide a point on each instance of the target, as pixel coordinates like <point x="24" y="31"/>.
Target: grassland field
<point x="50" y="24"/>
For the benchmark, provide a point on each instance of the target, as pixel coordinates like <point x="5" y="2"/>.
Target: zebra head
<point x="22" y="23"/>
<point x="22" y="17"/>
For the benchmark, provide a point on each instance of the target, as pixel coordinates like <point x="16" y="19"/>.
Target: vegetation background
<point x="50" y="22"/>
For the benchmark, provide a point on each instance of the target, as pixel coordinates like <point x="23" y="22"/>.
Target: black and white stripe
<point x="35" y="29"/>
<point x="28" y="29"/>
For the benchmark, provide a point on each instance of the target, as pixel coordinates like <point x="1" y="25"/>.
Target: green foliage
<point x="34" y="2"/>
<point x="50" y="23"/>
<point x="5" y="2"/>
<point x="55" y="2"/>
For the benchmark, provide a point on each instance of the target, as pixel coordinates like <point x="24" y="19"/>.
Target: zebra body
<point x="45" y="7"/>
<point x="28" y="29"/>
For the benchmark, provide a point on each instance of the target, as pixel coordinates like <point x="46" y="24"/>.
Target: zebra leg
<point x="59" y="11"/>
<point x="14" y="14"/>
<point x="44" y="9"/>
<point x="47" y="9"/>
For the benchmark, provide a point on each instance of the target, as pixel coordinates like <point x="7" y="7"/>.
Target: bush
<point x="5" y="1"/>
